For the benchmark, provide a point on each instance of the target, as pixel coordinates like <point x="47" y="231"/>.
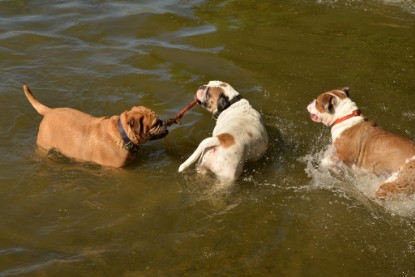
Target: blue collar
<point x="128" y="144"/>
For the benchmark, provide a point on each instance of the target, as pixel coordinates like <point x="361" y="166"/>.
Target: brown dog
<point x="359" y="142"/>
<point x="109" y="141"/>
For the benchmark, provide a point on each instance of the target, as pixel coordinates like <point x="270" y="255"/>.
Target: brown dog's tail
<point x="40" y="108"/>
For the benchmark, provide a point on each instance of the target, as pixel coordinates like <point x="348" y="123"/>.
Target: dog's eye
<point x="141" y="124"/>
<point x="131" y="122"/>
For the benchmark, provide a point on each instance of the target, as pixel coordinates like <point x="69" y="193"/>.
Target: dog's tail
<point x="40" y="108"/>
<point x="205" y="144"/>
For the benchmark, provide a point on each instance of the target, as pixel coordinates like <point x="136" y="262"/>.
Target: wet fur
<point x="239" y="134"/>
<point x="359" y="142"/>
<point x="83" y="137"/>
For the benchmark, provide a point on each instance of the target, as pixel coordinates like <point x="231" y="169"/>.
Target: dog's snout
<point x="160" y="123"/>
<point x="159" y="130"/>
<point x="202" y="87"/>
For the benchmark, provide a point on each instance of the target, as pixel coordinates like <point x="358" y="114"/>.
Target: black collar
<point x="128" y="144"/>
<point x="228" y="104"/>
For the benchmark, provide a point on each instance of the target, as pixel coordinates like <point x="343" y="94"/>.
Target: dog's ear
<point x="223" y="103"/>
<point x="330" y="103"/>
<point x="131" y="122"/>
<point x="346" y="91"/>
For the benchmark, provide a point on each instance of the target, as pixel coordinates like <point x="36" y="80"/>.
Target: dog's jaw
<point x="200" y="94"/>
<point x="158" y="131"/>
<point x="320" y="117"/>
<point x="314" y="114"/>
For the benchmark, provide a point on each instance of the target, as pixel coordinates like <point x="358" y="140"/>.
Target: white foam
<point x="353" y="182"/>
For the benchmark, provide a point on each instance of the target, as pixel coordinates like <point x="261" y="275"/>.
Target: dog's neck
<point x="346" y="117"/>
<point x="128" y="144"/>
<point x="234" y="100"/>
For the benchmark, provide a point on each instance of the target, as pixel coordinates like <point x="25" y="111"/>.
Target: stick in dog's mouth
<point x="159" y="130"/>
<point x="176" y="119"/>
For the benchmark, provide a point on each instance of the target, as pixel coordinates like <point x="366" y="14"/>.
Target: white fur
<point x="242" y="122"/>
<point x="410" y="160"/>
<point x="344" y="108"/>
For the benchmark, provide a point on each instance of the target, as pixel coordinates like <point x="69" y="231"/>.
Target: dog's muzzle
<point x="159" y="130"/>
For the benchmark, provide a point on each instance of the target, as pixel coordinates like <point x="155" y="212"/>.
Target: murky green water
<point x="284" y="217"/>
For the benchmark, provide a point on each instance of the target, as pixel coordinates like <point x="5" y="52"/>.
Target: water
<point x="285" y="216"/>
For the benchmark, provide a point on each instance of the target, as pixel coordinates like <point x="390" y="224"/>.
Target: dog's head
<point x="330" y="106"/>
<point x="216" y="96"/>
<point x="143" y="125"/>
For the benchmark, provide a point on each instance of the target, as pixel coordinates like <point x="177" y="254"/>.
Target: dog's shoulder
<point x="241" y="109"/>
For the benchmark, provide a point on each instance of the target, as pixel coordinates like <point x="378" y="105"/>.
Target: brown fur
<point x="226" y="140"/>
<point x="405" y="183"/>
<point x="379" y="152"/>
<point x="215" y="93"/>
<point x="324" y="100"/>
<point x="369" y="146"/>
<point x="81" y="136"/>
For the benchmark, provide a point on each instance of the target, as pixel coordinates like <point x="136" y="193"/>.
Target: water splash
<point x="353" y="182"/>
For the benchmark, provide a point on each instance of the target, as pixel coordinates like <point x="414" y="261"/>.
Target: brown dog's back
<point x="78" y="135"/>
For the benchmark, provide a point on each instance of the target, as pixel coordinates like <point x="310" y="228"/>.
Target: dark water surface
<point x="285" y="216"/>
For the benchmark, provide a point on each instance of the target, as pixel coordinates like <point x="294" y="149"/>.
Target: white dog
<point x="239" y="134"/>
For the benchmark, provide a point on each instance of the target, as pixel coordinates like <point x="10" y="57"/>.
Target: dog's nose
<point x="202" y="87"/>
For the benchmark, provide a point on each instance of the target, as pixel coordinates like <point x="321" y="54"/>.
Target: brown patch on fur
<point x="223" y="84"/>
<point x="226" y="139"/>
<point x="214" y="94"/>
<point x="250" y="134"/>
<point x="340" y="94"/>
<point x="323" y="101"/>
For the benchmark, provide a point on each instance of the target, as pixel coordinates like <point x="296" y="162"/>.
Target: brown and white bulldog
<point x="359" y="142"/>
<point x="109" y="141"/>
<point x="239" y="134"/>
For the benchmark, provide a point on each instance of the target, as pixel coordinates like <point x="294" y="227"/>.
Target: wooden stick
<point x="176" y="119"/>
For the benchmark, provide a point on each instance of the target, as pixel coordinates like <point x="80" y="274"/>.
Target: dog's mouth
<point x="200" y="94"/>
<point x="159" y="130"/>
<point x="314" y="117"/>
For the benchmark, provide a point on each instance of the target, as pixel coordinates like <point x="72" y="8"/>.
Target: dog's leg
<point x="392" y="188"/>
<point x="206" y="143"/>
<point x="402" y="182"/>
